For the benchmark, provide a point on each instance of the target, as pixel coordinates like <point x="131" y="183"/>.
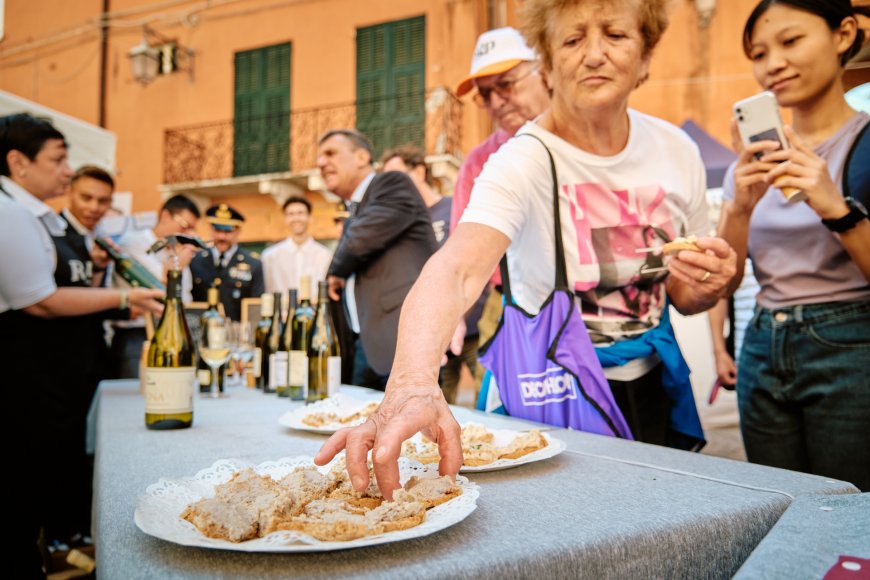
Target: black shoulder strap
<point x="856" y="169"/>
<point x="561" y="281"/>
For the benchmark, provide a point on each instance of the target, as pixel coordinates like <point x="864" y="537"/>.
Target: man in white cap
<point x="504" y="72"/>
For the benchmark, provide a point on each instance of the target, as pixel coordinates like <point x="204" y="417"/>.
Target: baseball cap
<point x="496" y="51"/>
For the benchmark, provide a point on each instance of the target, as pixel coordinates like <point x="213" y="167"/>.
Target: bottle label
<point x="298" y="369"/>
<point x="278" y="369"/>
<point x="169" y="390"/>
<point x="258" y="362"/>
<point x="333" y="375"/>
<point x="204" y="377"/>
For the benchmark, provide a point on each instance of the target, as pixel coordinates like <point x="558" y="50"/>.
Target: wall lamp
<point x="156" y="56"/>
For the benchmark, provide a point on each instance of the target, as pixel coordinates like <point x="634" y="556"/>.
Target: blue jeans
<point x="803" y="389"/>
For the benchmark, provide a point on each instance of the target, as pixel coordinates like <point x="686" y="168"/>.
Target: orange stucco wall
<point x="696" y="72"/>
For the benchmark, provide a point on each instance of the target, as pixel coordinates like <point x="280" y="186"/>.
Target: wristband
<point x="124" y="299"/>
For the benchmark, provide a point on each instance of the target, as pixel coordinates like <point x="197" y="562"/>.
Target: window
<point x="391" y="82"/>
<point x="261" y="122"/>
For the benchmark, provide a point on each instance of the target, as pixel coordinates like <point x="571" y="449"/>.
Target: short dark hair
<point x="178" y="203"/>
<point x="25" y="133"/>
<point x="411" y="155"/>
<point x="297" y="199"/>
<point x="94" y="172"/>
<point x="357" y="140"/>
<point x="833" y="12"/>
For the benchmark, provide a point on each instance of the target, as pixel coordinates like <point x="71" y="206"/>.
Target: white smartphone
<point x="758" y="120"/>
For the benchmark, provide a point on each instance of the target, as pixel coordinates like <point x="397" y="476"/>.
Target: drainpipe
<point x="104" y="57"/>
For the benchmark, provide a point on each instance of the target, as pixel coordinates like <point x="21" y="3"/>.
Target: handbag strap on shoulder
<point x="561" y="281"/>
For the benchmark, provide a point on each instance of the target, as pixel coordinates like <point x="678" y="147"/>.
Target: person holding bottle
<point x="34" y="168"/>
<point x="802" y="387"/>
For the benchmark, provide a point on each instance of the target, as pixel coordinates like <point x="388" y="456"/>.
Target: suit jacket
<point x="386" y="243"/>
<point x="242" y="278"/>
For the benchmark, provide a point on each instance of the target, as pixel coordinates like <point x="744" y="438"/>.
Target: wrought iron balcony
<point x="217" y="150"/>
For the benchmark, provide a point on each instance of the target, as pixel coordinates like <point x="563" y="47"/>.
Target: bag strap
<point x="561" y="281"/>
<point x="856" y="176"/>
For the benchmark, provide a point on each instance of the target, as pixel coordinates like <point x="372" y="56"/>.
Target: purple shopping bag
<point x="544" y="365"/>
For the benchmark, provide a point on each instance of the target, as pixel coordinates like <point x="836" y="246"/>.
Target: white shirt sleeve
<point x="497" y="198"/>
<point x="26" y="259"/>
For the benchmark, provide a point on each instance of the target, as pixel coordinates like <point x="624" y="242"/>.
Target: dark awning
<point x="716" y="156"/>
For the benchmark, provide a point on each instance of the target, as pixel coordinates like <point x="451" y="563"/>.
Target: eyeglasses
<point x="502" y="88"/>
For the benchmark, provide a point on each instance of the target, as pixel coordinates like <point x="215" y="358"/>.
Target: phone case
<point x="758" y="120"/>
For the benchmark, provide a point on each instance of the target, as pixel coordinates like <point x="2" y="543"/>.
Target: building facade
<point x="255" y="82"/>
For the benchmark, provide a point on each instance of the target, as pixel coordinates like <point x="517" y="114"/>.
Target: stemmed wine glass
<point x="214" y="347"/>
<point x="241" y="347"/>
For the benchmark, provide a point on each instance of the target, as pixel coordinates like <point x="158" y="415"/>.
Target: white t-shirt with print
<point x="649" y="193"/>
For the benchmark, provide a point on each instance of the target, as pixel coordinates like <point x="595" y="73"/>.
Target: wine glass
<point x="242" y="347"/>
<point x="214" y="348"/>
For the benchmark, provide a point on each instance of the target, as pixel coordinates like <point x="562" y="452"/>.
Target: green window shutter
<point x="261" y="122"/>
<point x="391" y="82"/>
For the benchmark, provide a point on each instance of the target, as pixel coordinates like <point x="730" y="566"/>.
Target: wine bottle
<point x="267" y="306"/>
<point x="203" y="371"/>
<point x="324" y="356"/>
<point x="271" y="346"/>
<point x="170" y="373"/>
<point x="129" y="269"/>
<point x="303" y="319"/>
<point x="282" y="357"/>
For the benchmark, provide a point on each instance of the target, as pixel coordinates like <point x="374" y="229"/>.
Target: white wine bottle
<point x="170" y="371"/>
<point x="203" y="371"/>
<point x="272" y="346"/>
<point x="267" y="307"/>
<point x="303" y="320"/>
<point x="324" y="356"/>
<point x="281" y="373"/>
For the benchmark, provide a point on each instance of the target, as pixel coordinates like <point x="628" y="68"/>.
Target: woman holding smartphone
<point x="803" y="384"/>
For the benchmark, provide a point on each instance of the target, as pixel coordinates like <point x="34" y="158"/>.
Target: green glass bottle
<point x="170" y="371"/>
<point x="303" y="320"/>
<point x="324" y="355"/>
<point x="282" y="357"/>
<point x="264" y="327"/>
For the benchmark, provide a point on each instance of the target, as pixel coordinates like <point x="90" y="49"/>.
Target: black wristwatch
<point x="857" y="212"/>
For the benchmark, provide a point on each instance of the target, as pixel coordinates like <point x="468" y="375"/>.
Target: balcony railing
<point x="205" y="151"/>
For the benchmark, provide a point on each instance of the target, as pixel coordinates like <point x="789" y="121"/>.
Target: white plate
<point x="158" y="511"/>
<point x="340" y="404"/>
<point x="503" y="437"/>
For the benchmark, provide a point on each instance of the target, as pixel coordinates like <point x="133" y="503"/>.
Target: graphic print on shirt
<point x="622" y="291"/>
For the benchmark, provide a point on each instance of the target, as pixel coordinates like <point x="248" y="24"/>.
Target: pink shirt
<point x="471" y="168"/>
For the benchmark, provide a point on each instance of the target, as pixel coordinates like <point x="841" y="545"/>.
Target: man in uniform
<point x="239" y="273"/>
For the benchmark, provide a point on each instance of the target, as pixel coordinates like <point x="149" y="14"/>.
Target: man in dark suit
<point x="240" y="272"/>
<point x="382" y="250"/>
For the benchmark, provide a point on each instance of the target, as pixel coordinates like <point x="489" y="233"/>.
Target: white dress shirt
<point x="286" y="262"/>
<point x="350" y="286"/>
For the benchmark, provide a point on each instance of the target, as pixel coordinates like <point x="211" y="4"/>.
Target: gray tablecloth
<point x="811" y="536"/>
<point x="603" y="509"/>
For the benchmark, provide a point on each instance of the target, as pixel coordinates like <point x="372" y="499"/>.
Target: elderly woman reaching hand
<point x="626" y="181"/>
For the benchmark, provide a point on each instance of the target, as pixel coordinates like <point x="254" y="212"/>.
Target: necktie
<point x="354" y="205"/>
<point x="220" y="264"/>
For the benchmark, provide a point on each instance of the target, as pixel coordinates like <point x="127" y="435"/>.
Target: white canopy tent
<point x="88" y="144"/>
